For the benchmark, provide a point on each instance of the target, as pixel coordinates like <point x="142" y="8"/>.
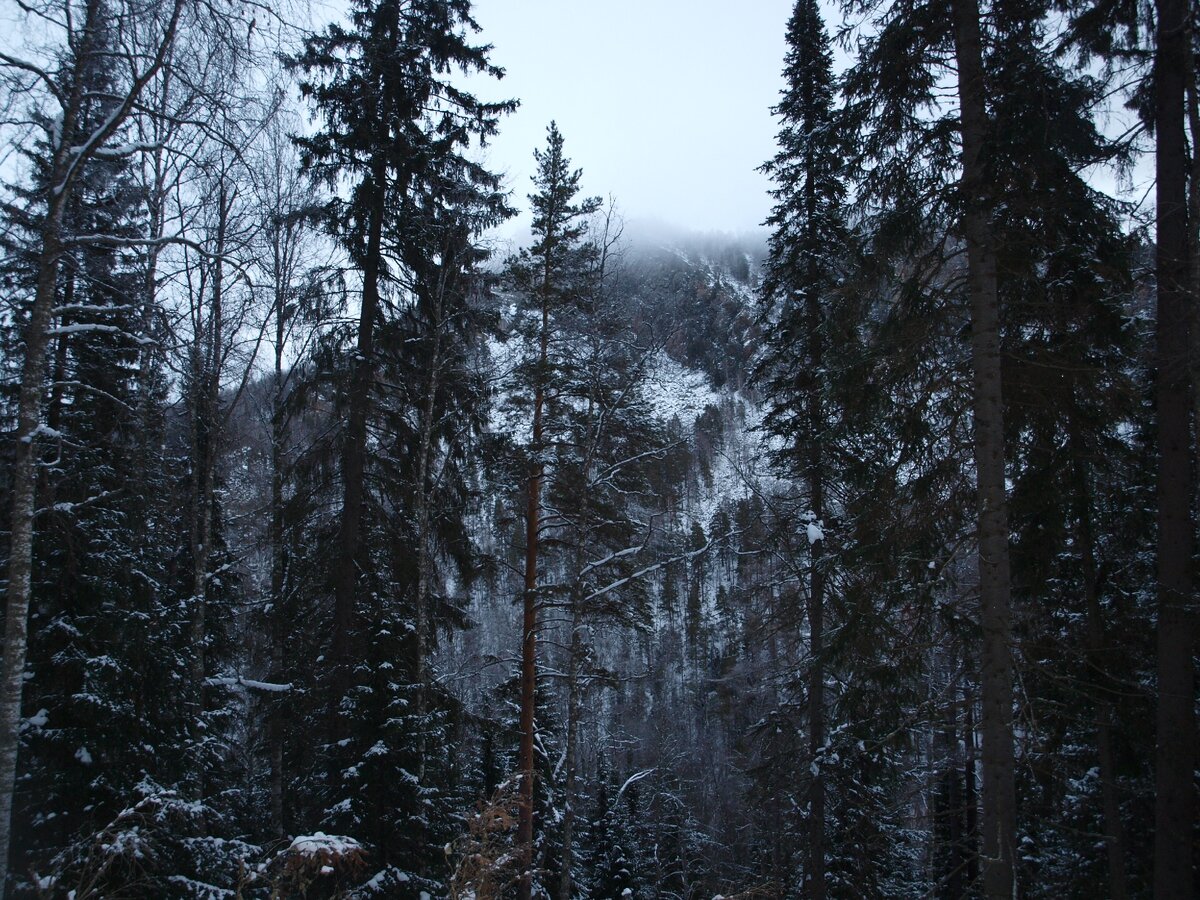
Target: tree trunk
<point x="20" y="559"/>
<point x="24" y="475"/>
<point x="156" y="190"/>
<point x="1193" y="245"/>
<point x="815" y="465"/>
<point x="354" y="453"/>
<point x="205" y="435"/>
<point x="64" y="169"/>
<point x="1114" y="837"/>
<point x="54" y="403"/>
<point x="948" y="856"/>
<point x="529" y="617"/>
<point x="54" y="407"/>
<point x="423" y="517"/>
<point x="571" y="754"/>
<point x="574" y="689"/>
<point x="1176" y="722"/>
<point x="275" y="735"/>
<point x="970" y="798"/>
<point x="816" y="625"/>
<point x="999" y="786"/>
<point x="816" y="733"/>
<point x="955" y="811"/>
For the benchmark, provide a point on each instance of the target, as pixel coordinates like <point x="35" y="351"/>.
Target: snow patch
<point x="319" y="843"/>
<point x="39" y="719"/>
<point x="672" y="389"/>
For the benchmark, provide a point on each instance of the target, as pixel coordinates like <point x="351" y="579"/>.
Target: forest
<point x="347" y="555"/>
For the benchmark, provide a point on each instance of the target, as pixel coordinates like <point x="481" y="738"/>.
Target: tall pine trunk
<point x="995" y="593"/>
<point x="1176" y="723"/>
<point x="529" y="610"/>
<point x="1114" y="833"/>
<point x="354" y="454"/>
<point x="574" y="688"/>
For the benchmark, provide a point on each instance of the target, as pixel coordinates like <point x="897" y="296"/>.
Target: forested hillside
<point x="350" y="553"/>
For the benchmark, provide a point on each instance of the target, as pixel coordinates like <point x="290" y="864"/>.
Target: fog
<point x="665" y="104"/>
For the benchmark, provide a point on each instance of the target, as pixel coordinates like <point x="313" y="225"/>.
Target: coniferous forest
<point x="347" y="554"/>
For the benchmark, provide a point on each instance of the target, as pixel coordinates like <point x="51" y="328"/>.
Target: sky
<point x="664" y="104"/>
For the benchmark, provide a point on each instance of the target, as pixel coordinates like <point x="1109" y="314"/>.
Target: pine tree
<point x="553" y="276"/>
<point x="598" y="489"/>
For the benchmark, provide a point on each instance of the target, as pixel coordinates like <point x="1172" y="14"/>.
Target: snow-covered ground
<point x="674" y="390"/>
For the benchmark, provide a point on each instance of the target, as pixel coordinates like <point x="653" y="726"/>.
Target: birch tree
<point x="53" y="85"/>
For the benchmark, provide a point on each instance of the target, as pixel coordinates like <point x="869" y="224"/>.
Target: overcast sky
<point x="663" y="103"/>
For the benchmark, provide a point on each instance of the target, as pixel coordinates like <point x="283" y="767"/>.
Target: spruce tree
<point x="391" y="118"/>
<point x="401" y="134"/>
<point x="433" y="418"/>
<point x="807" y="249"/>
<point x="915" y="163"/>
<point x="1070" y="375"/>
<point x="1151" y="42"/>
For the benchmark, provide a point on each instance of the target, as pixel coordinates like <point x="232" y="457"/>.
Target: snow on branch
<point x="43" y="431"/>
<point x="121" y="151"/>
<point x="641" y="573"/>
<point x="612" y="557"/>
<point x="94" y="327"/>
<point x="92" y="389"/>
<point x="85" y="151"/>
<point x="655" y="453"/>
<point x="316" y="857"/>
<point x="632" y="779"/>
<point x="241" y="681"/>
<point x="91" y="308"/>
<point x="41" y="74"/>
<point x="64" y="507"/>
